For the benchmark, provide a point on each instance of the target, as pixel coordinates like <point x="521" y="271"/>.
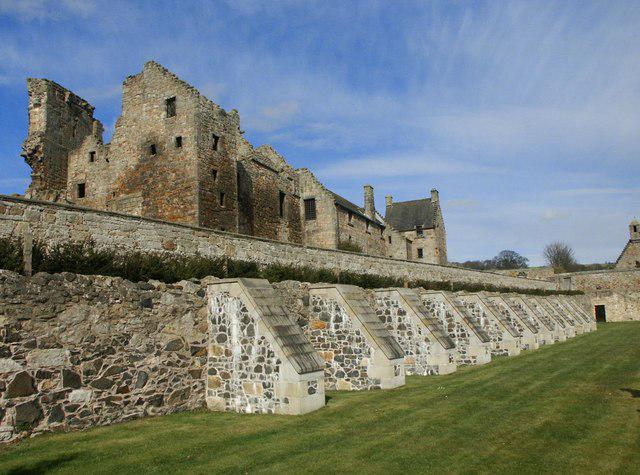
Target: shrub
<point x="349" y="246"/>
<point x="11" y="254"/>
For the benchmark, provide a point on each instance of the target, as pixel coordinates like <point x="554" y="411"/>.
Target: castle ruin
<point x="176" y="156"/>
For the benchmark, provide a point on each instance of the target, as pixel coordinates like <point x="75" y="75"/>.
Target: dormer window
<point x="92" y="156"/>
<point x="170" y="106"/>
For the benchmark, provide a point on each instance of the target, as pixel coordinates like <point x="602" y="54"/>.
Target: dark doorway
<point x="601" y="314"/>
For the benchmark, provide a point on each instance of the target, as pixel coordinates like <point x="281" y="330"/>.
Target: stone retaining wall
<point x="78" y="351"/>
<point x="55" y="223"/>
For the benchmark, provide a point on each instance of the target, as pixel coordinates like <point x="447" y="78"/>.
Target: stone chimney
<point x="634" y="230"/>
<point x="369" y="204"/>
<point x="435" y="197"/>
<point x="389" y="200"/>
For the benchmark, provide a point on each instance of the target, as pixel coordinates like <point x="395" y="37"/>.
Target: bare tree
<point x="560" y="256"/>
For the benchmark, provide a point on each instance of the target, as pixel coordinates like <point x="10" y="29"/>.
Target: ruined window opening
<point x="637" y="263"/>
<point x="216" y="139"/>
<point x="81" y="190"/>
<point x="635" y="229"/>
<point x="419" y="230"/>
<point x="170" y="105"/>
<point x="214" y="174"/>
<point x="420" y="253"/>
<point x="152" y="149"/>
<point x="310" y="208"/>
<point x="389" y="239"/>
<point x="367" y="227"/>
<point x="222" y="199"/>
<point x="282" y="200"/>
<point x="178" y="141"/>
<point x="350" y="218"/>
<point x="92" y="156"/>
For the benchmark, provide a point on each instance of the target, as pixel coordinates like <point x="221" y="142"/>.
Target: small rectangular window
<point x="92" y="156"/>
<point x="215" y="139"/>
<point x="282" y="200"/>
<point x="635" y="229"/>
<point x="81" y="190"/>
<point x="170" y="105"/>
<point x="310" y="208"/>
<point x="419" y="230"/>
<point x="350" y="217"/>
<point x="214" y="175"/>
<point x="152" y="149"/>
<point x="420" y="254"/>
<point x="178" y="141"/>
<point x="389" y="239"/>
<point x="367" y="227"/>
<point x="222" y="198"/>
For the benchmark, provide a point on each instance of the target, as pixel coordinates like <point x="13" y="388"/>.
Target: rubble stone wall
<point x="55" y="223"/>
<point x="78" y="351"/>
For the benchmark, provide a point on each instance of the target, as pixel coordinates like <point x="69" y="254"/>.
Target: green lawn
<point x="572" y="407"/>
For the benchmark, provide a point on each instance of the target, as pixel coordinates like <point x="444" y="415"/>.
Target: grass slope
<point x="572" y="407"/>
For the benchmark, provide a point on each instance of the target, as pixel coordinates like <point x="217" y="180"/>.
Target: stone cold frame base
<point x="473" y="346"/>
<point x="505" y="338"/>
<point x="558" y="326"/>
<point x="544" y="335"/>
<point x="569" y="329"/>
<point x="259" y="360"/>
<point x="573" y="303"/>
<point x="578" y="316"/>
<point x="567" y="316"/>
<point x="528" y="335"/>
<point x="358" y="350"/>
<point x="428" y="350"/>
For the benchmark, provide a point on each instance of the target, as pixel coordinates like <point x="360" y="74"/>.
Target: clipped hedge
<point x="85" y="258"/>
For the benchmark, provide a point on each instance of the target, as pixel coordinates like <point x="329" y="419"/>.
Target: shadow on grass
<point x="41" y="467"/>
<point x="634" y="392"/>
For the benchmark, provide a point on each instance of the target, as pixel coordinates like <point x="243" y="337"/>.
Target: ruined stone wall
<point x="630" y="256"/>
<point x="323" y="230"/>
<point x="269" y="203"/>
<point x="353" y="228"/>
<point x="55" y="223"/>
<point x="78" y="351"/>
<point x="59" y="121"/>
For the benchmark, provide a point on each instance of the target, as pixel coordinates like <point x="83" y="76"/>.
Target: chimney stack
<point x="369" y="203"/>
<point x="389" y="199"/>
<point x="435" y="197"/>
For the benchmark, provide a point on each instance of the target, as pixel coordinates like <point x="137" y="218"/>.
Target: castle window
<point x="215" y="138"/>
<point x="350" y="218"/>
<point x="420" y="253"/>
<point x="635" y="228"/>
<point x="637" y="263"/>
<point x="310" y="208"/>
<point x="282" y="200"/>
<point x="170" y="106"/>
<point x="178" y="141"/>
<point x="214" y="174"/>
<point x="92" y="156"/>
<point x="81" y="190"/>
<point x="152" y="149"/>
<point x="368" y="224"/>
<point x="389" y="239"/>
<point x="419" y="230"/>
<point x="222" y="199"/>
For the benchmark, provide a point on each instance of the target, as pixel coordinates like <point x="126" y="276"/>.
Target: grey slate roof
<point x="348" y="205"/>
<point x="406" y="215"/>
<point x="282" y="325"/>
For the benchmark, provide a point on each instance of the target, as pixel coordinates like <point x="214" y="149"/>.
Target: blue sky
<point x="524" y="115"/>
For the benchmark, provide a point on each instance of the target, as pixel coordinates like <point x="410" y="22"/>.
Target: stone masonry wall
<point x="492" y="327"/>
<point x="413" y="339"/>
<point x="457" y="331"/>
<point x="56" y="223"/>
<point x="79" y="351"/>
<point x="343" y="347"/>
<point x="243" y="369"/>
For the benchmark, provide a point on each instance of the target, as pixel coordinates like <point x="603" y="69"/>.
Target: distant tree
<point x="509" y="260"/>
<point x="560" y="256"/>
